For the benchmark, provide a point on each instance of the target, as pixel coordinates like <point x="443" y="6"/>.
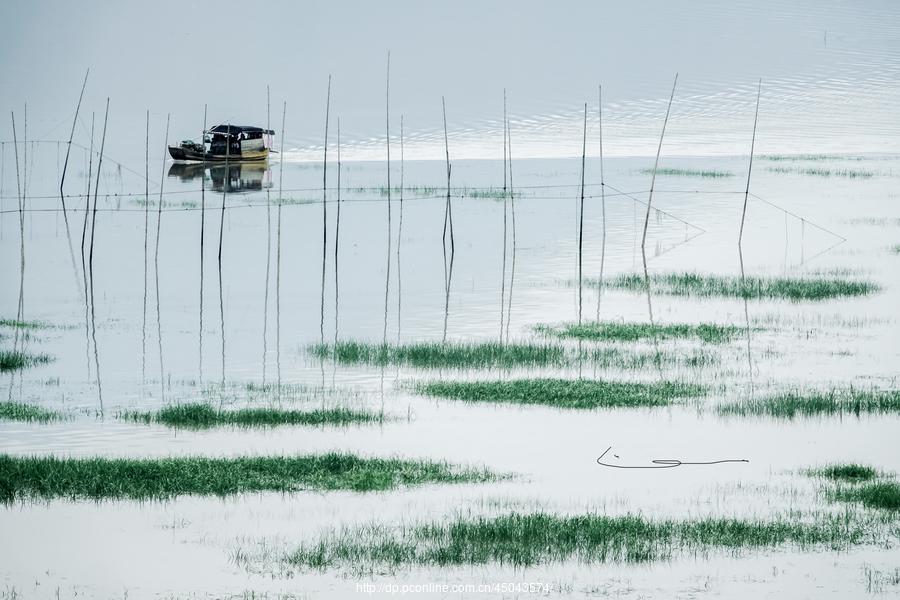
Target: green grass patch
<point x="793" y="289"/>
<point x="537" y="538"/>
<point x="689" y="173"/>
<point x="13" y="360"/>
<point x="884" y="495"/>
<point x="202" y="416"/>
<point x="437" y="355"/>
<point x="851" y="473"/>
<point x="17" y="324"/>
<point x="820" y="172"/>
<point x="617" y="331"/>
<point x="790" y="405"/>
<point x="17" y="411"/>
<point x="44" y="478"/>
<point x="563" y="393"/>
<point x="808" y="157"/>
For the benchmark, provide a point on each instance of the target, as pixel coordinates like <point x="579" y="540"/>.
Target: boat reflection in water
<point x="234" y="178"/>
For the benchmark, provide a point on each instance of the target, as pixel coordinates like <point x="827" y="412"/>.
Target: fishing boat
<point x="226" y="143"/>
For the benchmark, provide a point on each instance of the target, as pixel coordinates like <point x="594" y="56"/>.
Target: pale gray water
<point x="823" y="93"/>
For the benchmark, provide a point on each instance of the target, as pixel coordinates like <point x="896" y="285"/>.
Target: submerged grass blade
<point x="619" y="331"/>
<point x="794" y="289"/>
<point x="12" y="360"/>
<point x="538" y="538"/>
<point x="799" y="404"/>
<point x="436" y="355"/>
<point x="44" y="478"/>
<point x="563" y="393"/>
<point x="201" y="416"/>
<point x="884" y="495"/>
<point x="17" y="411"/>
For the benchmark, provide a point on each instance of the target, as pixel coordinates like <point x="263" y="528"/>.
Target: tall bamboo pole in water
<point x="324" y="214"/>
<point x="87" y="195"/>
<point x="268" y="251"/>
<point x="448" y="209"/>
<point x="656" y="164"/>
<point x="202" y="239"/>
<point x="162" y="179"/>
<point x="750" y="166"/>
<point x="62" y="180"/>
<point x="387" y="122"/>
<point x="512" y="211"/>
<point x="146" y="246"/>
<point x="96" y="190"/>
<point x="581" y="214"/>
<point x="337" y="233"/>
<point x="278" y="255"/>
<point x="602" y="199"/>
<point x="400" y="233"/>
<point x="503" y="275"/>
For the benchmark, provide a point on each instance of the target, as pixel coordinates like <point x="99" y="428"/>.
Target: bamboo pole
<point x="324" y="214"/>
<point x="202" y="239"/>
<point x="448" y="210"/>
<point x="268" y="251"/>
<point x="62" y="180"/>
<point x="400" y="232"/>
<point x="512" y="210"/>
<point x="581" y="215"/>
<point x="278" y="255"/>
<point x="750" y="166"/>
<point x="387" y="120"/>
<point x="162" y="384"/>
<point x="602" y="199"/>
<point x="146" y="247"/>
<point x="656" y="164"/>
<point x="503" y="274"/>
<point x="96" y="190"/>
<point x="337" y="233"/>
<point x="87" y="195"/>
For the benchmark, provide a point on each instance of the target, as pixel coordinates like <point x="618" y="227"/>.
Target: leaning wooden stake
<point x="602" y="200"/>
<point x="62" y="180"/>
<point x="324" y="214"/>
<point x="656" y="164"/>
<point x="448" y="209"/>
<point x="387" y="120"/>
<point x="400" y="232"/>
<point x="503" y="274"/>
<point x="512" y="212"/>
<point x="750" y="166"/>
<point x="337" y="234"/>
<point x="96" y="190"/>
<point x="581" y="214"/>
<point x="87" y="195"/>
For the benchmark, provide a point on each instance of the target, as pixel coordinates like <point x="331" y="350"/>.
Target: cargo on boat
<point x="226" y="143"/>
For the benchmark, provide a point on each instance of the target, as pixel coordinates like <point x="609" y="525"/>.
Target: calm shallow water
<point x="830" y="87"/>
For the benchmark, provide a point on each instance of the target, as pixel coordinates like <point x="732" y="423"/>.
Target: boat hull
<point x="188" y="155"/>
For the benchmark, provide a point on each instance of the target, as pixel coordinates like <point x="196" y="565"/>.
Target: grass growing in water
<point x="799" y="404"/>
<point x="12" y="360"/>
<point x="44" y="478"/>
<point x="201" y="416"/>
<point x="848" y="473"/>
<point x="883" y="495"/>
<point x="794" y="289"/>
<point x="819" y="172"/>
<point x="631" y="332"/>
<point x="17" y="324"/>
<point x="689" y="173"/>
<point x="563" y="393"/>
<point x="435" y="355"/>
<point x="537" y="538"/>
<point x="17" y="411"/>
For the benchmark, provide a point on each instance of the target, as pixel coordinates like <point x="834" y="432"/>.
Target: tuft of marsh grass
<point x="809" y="157"/>
<point x="820" y="172"/>
<point x="12" y="360"/>
<point x="44" y="478"/>
<point x="794" y="289"/>
<point x="799" y="404"/>
<point x="847" y="473"/>
<point x="539" y="538"/>
<point x="18" y="324"/>
<point x="203" y="416"/>
<point x="884" y="495"/>
<point x="689" y="173"/>
<point x="17" y="411"/>
<point x="631" y="332"/>
<point x="563" y="393"/>
<point x="895" y="249"/>
<point x="461" y="355"/>
<point x="437" y="355"/>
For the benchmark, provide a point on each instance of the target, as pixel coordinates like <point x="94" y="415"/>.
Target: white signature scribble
<point x="665" y="463"/>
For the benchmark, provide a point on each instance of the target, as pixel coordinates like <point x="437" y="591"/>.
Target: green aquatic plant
<point x="18" y="411"/>
<point x="437" y="355"/>
<point x="793" y="289"/>
<point x="809" y="157"/>
<point x="689" y="173"/>
<point x="563" y="393"/>
<point x="200" y="416"/>
<point x="883" y="495"/>
<point x="793" y="404"/>
<point x="619" y="331"/>
<point x="13" y="360"/>
<point x="523" y="540"/>
<point x="19" y="324"/>
<point x="847" y="473"/>
<point x="818" y="172"/>
<point x="48" y="477"/>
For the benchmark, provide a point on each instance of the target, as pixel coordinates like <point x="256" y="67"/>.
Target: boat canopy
<point x="238" y="129"/>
